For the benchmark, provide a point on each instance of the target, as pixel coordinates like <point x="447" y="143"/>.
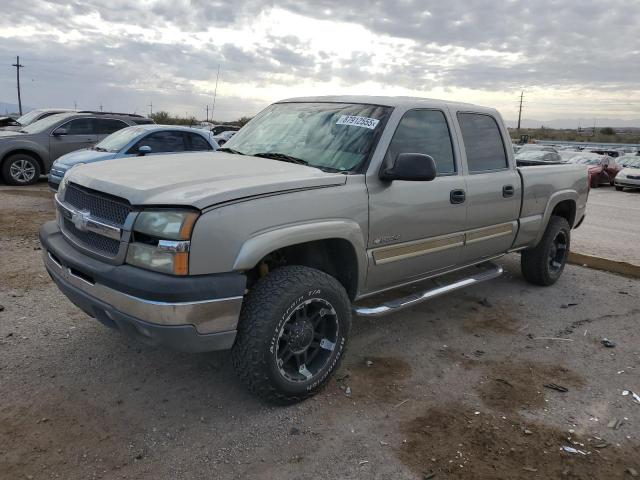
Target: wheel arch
<point x="334" y="247"/>
<point x="25" y="151"/>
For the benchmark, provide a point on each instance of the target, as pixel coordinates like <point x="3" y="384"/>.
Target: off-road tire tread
<point x="255" y="328"/>
<point x="533" y="262"/>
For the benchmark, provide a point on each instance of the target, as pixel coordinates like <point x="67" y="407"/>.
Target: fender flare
<point x="265" y="242"/>
<point x="554" y="200"/>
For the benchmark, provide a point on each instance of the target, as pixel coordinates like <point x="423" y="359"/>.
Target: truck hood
<point x="86" y="155"/>
<point x="10" y="132"/>
<point x="198" y="179"/>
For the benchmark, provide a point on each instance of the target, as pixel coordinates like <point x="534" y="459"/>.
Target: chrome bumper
<point x="207" y="316"/>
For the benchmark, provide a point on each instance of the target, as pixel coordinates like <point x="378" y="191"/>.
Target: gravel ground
<point x="453" y="388"/>
<point x="612" y="227"/>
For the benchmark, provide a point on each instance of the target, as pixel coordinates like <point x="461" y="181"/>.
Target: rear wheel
<point x="292" y="333"/>
<point x="544" y="264"/>
<point x="20" y="169"/>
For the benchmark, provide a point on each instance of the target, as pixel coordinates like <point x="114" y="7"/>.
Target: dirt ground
<point x="466" y="386"/>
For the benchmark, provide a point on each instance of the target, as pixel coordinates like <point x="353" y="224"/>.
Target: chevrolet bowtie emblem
<point x="81" y="219"/>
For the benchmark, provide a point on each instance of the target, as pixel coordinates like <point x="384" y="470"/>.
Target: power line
<point x="520" y="110"/>
<point x="18" y="67"/>
<point x="215" y="92"/>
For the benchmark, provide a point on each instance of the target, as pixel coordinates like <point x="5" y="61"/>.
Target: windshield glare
<point x="334" y="136"/>
<point x="120" y="139"/>
<point x="45" y="123"/>
<point x="586" y="160"/>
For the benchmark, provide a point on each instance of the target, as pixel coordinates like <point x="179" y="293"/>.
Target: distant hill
<point x="8" y="108"/>
<point x="573" y="123"/>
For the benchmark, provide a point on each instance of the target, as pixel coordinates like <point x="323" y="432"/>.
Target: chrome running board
<point x="398" y="304"/>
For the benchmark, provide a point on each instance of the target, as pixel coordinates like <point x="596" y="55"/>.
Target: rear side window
<point x="426" y="132"/>
<point x="107" y="126"/>
<point x="197" y="143"/>
<point x="162" y="142"/>
<point x="81" y="126"/>
<point x="482" y="142"/>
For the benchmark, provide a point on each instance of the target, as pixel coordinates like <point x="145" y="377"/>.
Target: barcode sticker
<point x="355" y="121"/>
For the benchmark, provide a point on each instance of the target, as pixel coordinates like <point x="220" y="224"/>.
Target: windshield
<point x="633" y="163"/>
<point x="28" y="118"/>
<point x="45" y="123"/>
<point x="120" y="139"/>
<point x="332" y="136"/>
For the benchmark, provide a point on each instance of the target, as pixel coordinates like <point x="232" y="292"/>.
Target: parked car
<point x="224" y="137"/>
<point x="31" y="117"/>
<point x="267" y="250"/>
<point x="629" y="176"/>
<point x="29" y="152"/>
<point x="537" y="146"/>
<point x="135" y="141"/>
<point x="537" y="157"/>
<point x="218" y="129"/>
<point x="602" y="168"/>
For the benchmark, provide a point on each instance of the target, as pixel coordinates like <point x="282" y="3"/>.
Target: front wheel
<point x="20" y="169"/>
<point x="544" y="264"/>
<point x="292" y="333"/>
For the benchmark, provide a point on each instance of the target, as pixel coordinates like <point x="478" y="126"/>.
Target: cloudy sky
<point x="574" y="59"/>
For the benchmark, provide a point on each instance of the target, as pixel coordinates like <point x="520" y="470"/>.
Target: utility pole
<point x="18" y="67"/>
<point x="100" y="106"/>
<point x="75" y="105"/>
<point x="215" y="92"/>
<point x="151" y="108"/>
<point x="520" y="111"/>
<point x="207" y="106"/>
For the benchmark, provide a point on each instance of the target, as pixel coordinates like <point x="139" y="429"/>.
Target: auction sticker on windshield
<point x="356" y="121"/>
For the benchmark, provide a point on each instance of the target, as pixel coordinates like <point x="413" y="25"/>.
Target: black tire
<point x="20" y="169"/>
<point x="275" y="321"/>
<point x="619" y="189"/>
<point x="544" y="264"/>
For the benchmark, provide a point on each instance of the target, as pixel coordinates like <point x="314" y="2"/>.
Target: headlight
<point x="166" y="224"/>
<point x="161" y="241"/>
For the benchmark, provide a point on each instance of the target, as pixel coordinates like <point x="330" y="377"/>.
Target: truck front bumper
<point x="191" y="313"/>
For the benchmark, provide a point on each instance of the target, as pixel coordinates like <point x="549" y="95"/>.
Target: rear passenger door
<point x="107" y="126"/>
<point x="197" y="143"/>
<point x="493" y="187"/>
<point x="78" y="133"/>
<point x="414" y="227"/>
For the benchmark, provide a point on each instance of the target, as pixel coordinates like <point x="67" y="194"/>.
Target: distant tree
<point x="607" y="131"/>
<point x="162" y="118"/>
<point x="243" y="121"/>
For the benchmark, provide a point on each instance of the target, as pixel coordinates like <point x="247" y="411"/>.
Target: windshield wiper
<point x="282" y="157"/>
<point x="230" y="150"/>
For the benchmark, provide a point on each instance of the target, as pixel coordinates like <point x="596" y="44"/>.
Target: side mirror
<point x="60" y="132"/>
<point x="143" y="150"/>
<point x="413" y="167"/>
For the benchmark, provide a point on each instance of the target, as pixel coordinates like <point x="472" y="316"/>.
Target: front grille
<point x="93" y="241"/>
<point x="634" y="177"/>
<point x="102" y="206"/>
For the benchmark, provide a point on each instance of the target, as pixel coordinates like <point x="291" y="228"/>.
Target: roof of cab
<point x="385" y="101"/>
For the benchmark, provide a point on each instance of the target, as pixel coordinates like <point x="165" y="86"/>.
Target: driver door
<point x="80" y="133"/>
<point x="417" y="227"/>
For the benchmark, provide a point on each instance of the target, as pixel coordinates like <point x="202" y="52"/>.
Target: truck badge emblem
<point x="81" y="219"/>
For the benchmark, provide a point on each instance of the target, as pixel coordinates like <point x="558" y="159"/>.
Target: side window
<point x="81" y="126"/>
<point x="197" y="142"/>
<point x="482" y="142"/>
<point x="427" y="132"/>
<point x="107" y="126"/>
<point x="163" y="142"/>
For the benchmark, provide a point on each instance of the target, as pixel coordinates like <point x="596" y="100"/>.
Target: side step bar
<point x="398" y="304"/>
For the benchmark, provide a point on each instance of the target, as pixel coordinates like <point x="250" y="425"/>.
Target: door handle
<point x="457" y="196"/>
<point x="508" y="191"/>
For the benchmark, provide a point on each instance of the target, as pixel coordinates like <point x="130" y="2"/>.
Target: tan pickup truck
<point x="268" y="246"/>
